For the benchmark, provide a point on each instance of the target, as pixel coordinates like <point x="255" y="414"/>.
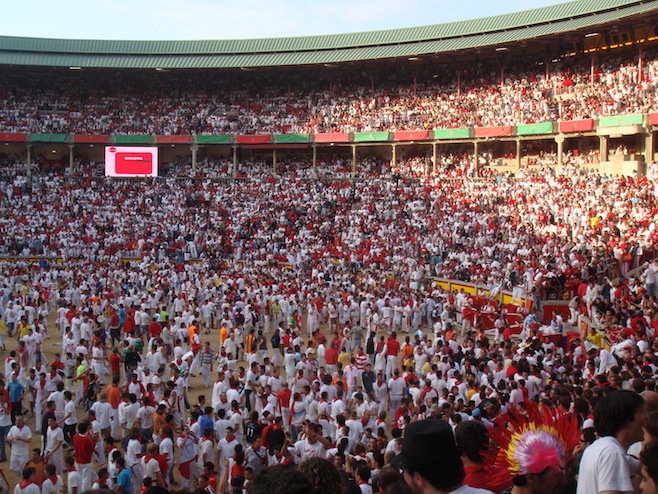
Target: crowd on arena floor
<point x="329" y="336"/>
<point x="528" y="90"/>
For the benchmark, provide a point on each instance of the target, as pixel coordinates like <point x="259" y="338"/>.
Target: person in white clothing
<point x="27" y="485"/>
<point x="19" y="436"/>
<point x="53" y="483"/>
<point x="54" y="453"/>
<point x="619" y="419"/>
<point x="312" y="446"/>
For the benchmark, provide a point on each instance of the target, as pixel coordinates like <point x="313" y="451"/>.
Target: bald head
<point x="650" y="401"/>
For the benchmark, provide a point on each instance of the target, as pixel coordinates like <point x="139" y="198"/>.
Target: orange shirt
<point x="191" y="331"/>
<point x="158" y="420"/>
<point x="113" y="395"/>
<point x="223" y="335"/>
<point x="249" y="343"/>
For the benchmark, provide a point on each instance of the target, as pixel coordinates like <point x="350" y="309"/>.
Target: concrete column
<point x="518" y="153"/>
<point x="353" y="161"/>
<point x="274" y="161"/>
<point x="434" y="157"/>
<point x="560" y="149"/>
<point x="314" y="171"/>
<point x="28" y="169"/>
<point x="394" y="158"/>
<point x="648" y="147"/>
<point x="70" y="160"/>
<point x="475" y="154"/>
<point x="194" y="148"/>
<point x="603" y="148"/>
<point x="235" y="161"/>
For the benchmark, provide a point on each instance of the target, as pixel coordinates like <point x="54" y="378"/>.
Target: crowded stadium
<point x="416" y="260"/>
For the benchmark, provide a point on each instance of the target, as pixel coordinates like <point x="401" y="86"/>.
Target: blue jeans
<point x="4" y="430"/>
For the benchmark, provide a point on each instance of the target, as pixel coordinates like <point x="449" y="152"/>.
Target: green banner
<point x="292" y="138"/>
<point x="634" y="119"/>
<point x="370" y="136"/>
<point x="535" y="128"/>
<point x="214" y="139"/>
<point x="452" y="133"/>
<point x="49" y="137"/>
<point x="133" y="139"/>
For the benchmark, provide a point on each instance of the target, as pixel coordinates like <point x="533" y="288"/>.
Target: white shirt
<point x="604" y="467"/>
<point x="19" y="447"/>
<point x="302" y="450"/>
<point x="103" y="413"/>
<point x="49" y="488"/>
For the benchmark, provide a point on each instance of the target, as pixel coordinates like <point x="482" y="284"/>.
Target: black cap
<point x="427" y="442"/>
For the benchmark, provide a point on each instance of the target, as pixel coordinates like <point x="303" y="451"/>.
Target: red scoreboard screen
<point x="131" y="161"/>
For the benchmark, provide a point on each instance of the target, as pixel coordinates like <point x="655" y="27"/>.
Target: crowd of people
<point x="311" y="313"/>
<point x="278" y="333"/>
<point x="525" y="89"/>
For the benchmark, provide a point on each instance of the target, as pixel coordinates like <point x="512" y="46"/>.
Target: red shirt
<point x="155" y="329"/>
<point x="115" y="363"/>
<point x="84" y="448"/>
<point x="283" y="398"/>
<point x="331" y="356"/>
<point x="392" y="347"/>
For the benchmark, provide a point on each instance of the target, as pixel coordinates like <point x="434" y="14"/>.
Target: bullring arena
<point x="339" y="236"/>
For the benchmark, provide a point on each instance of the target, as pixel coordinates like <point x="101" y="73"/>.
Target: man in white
<point x="54" y="454"/>
<point x="312" y="446"/>
<point x="104" y="413"/>
<point x="19" y="436"/>
<point x="226" y="446"/>
<point x="619" y="420"/>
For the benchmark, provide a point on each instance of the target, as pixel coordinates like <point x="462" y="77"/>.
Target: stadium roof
<point x="454" y="37"/>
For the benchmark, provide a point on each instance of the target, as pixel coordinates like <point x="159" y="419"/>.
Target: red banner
<point x="332" y="137"/>
<point x="91" y="139"/>
<point x="501" y="131"/>
<point x="577" y="125"/>
<point x="173" y="139"/>
<point x="253" y="139"/>
<point x="10" y="137"/>
<point x="653" y="119"/>
<point x="413" y="135"/>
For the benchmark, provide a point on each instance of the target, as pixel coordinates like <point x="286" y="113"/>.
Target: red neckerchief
<point x="53" y="479"/>
<point x="24" y="483"/>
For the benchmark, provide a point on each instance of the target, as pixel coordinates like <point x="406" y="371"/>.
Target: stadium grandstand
<point x="575" y="77"/>
<point x="245" y="231"/>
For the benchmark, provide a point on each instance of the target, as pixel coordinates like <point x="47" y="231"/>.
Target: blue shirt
<point x="124" y="480"/>
<point x="16" y="390"/>
<point x="206" y="422"/>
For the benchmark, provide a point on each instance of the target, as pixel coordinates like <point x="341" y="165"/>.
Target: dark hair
<point x="445" y="477"/>
<point x="649" y="457"/>
<point x="472" y="437"/>
<point x="652" y="425"/>
<point x="323" y="476"/>
<point x="589" y="434"/>
<point x="280" y="479"/>
<point x="615" y="411"/>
